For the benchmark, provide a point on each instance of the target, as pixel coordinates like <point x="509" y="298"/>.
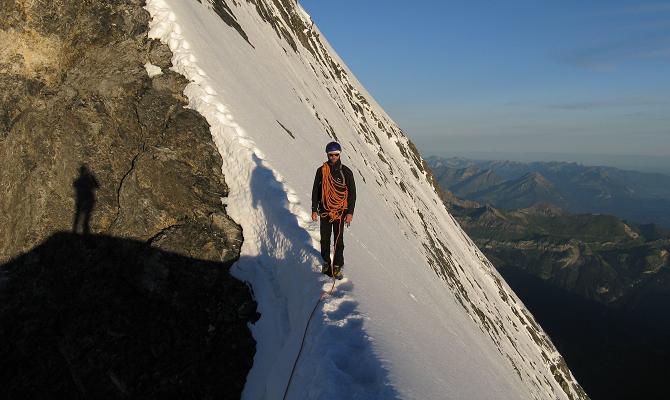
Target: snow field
<point x="278" y="254"/>
<point x="393" y="329"/>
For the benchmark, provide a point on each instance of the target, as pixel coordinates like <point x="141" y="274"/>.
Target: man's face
<point x="333" y="157"/>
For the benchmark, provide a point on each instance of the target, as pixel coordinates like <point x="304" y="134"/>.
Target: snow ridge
<point x="424" y="314"/>
<point x="270" y="242"/>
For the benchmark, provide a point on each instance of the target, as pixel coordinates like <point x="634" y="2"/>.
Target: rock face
<point x="90" y="143"/>
<point x="86" y="100"/>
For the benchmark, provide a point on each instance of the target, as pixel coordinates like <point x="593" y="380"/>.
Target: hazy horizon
<point x="640" y="163"/>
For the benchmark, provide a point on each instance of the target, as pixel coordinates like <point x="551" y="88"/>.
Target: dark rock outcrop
<point x="98" y="317"/>
<point x="90" y="143"/>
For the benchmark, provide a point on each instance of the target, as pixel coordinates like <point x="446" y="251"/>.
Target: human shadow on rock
<point x="102" y="317"/>
<point x="84" y="186"/>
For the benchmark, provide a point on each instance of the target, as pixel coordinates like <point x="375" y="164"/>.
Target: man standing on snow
<point x="333" y="199"/>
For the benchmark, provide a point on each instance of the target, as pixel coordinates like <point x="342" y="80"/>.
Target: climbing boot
<point x="337" y="272"/>
<point x="325" y="269"/>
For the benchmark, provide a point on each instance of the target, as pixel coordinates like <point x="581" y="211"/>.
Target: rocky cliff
<point x="90" y="143"/>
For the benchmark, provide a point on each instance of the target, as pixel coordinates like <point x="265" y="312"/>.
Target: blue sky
<point x="572" y="77"/>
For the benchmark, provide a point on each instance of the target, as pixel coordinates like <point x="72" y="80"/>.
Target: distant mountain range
<point x="598" y="257"/>
<point x="594" y="281"/>
<point x="598" y="285"/>
<point x="635" y="196"/>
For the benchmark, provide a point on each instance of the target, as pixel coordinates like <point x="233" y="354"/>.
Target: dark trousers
<point x="337" y="228"/>
<point x="82" y="216"/>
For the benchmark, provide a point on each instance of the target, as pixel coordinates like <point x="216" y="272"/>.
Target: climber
<point x="333" y="199"/>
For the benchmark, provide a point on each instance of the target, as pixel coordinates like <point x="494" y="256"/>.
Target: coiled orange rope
<point x="333" y="194"/>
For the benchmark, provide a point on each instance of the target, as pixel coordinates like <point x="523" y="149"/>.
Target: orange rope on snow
<point x="324" y="294"/>
<point x="304" y="334"/>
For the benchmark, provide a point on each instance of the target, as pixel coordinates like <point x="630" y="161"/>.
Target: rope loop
<point x="333" y="195"/>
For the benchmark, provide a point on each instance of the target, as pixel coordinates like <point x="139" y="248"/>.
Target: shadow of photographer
<point x="85" y="186"/>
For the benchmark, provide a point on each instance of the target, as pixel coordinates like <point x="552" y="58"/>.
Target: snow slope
<point x="422" y="313"/>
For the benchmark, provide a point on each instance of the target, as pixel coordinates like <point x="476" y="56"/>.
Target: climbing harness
<point x="334" y="197"/>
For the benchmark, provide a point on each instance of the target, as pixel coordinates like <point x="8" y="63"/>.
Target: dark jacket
<point x="339" y="172"/>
